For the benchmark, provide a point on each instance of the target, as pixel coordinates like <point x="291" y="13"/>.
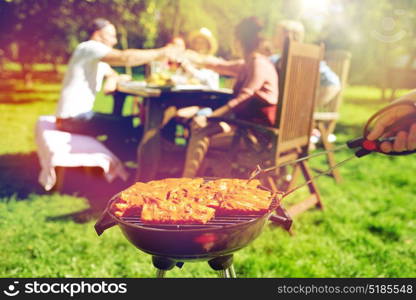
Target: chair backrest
<point x="339" y="61"/>
<point x="298" y="82"/>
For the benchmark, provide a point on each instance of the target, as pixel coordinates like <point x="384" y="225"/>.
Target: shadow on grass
<point x="19" y="178"/>
<point x="12" y="101"/>
<point x="385" y="233"/>
<point x="46" y="76"/>
<point x="17" y="95"/>
<point x="37" y="90"/>
<point x="13" y="89"/>
<point x="18" y="175"/>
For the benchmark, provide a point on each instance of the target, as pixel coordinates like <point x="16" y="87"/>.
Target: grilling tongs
<point x="362" y="146"/>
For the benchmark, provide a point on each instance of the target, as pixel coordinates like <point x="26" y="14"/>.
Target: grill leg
<point x="227" y="273"/>
<point x="162" y="264"/>
<point x="223" y="274"/>
<point x="232" y="271"/>
<point x="160" y="273"/>
<point x="223" y="265"/>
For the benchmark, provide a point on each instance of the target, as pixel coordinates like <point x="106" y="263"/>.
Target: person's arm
<point x="217" y="64"/>
<point x="205" y="76"/>
<point x="111" y="80"/>
<point x="410" y="96"/>
<point x="189" y="67"/>
<point x="253" y="84"/>
<point x="404" y="140"/>
<point x="225" y="67"/>
<point x="136" y="57"/>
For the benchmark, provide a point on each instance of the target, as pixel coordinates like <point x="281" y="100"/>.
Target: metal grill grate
<point x="217" y="222"/>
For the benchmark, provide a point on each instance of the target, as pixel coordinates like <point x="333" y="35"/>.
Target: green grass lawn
<point x="367" y="229"/>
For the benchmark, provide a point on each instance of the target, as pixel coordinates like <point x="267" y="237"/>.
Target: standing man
<point x="87" y="68"/>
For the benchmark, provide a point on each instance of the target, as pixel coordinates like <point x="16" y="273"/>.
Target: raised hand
<point x="173" y="52"/>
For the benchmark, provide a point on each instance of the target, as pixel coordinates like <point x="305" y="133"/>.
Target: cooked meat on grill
<point x="214" y="193"/>
<point x="191" y="201"/>
<point x="239" y="197"/>
<point x="245" y="200"/>
<point x="174" y="182"/>
<point x="176" y="212"/>
<point x="131" y="200"/>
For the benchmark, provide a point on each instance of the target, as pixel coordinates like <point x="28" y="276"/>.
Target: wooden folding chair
<point x="395" y="77"/>
<point x="289" y="139"/>
<point x="326" y="116"/>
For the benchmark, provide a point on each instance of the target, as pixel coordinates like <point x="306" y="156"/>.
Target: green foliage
<point x="218" y="16"/>
<point x="144" y="23"/>
<point x="378" y="32"/>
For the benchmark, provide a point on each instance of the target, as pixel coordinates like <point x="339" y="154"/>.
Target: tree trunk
<point x="55" y="70"/>
<point x="176" y="18"/>
<point x="124" y="45"/>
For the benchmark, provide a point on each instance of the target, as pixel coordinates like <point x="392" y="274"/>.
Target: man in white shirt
<point x="87" y="68"/>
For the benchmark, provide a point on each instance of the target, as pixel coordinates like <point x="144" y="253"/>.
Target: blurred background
<point x="379" y="33"/>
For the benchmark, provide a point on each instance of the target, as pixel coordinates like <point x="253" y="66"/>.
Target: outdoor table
<point x="156" y="101"/>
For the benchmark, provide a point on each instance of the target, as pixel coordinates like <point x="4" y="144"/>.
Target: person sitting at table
<point x="255" y="95"/>
<point x="164" y="66"/>
<point x="201" y="43"/>
<point x="330" y="84"/>
<point x="88" y="66"/>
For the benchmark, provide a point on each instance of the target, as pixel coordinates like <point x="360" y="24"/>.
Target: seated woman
<point x="254" y="98"/>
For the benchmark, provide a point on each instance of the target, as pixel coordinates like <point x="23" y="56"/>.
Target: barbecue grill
<point x="172" y="245"/>
<point x="217" y="240"/>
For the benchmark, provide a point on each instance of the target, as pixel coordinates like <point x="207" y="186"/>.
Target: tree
<point x="48" y="30"/>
